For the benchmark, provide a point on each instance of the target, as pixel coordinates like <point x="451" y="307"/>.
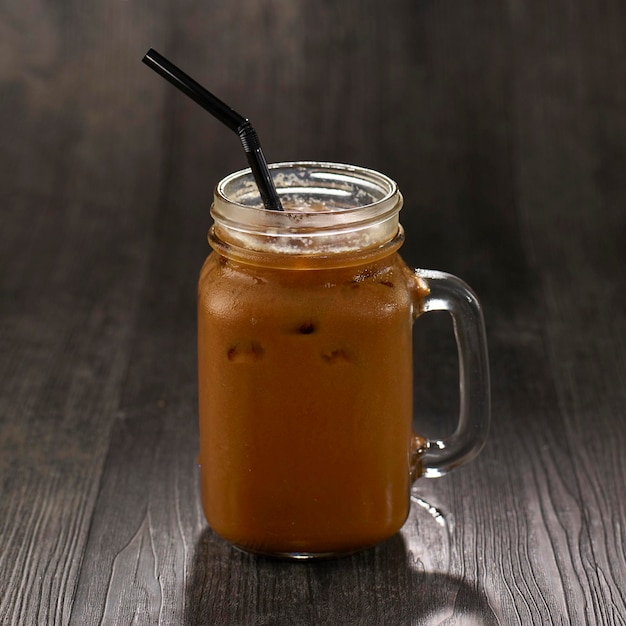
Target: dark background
<point x="504" y="124"/>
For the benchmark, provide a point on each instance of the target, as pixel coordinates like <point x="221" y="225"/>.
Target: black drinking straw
<point x="227" y="116"/>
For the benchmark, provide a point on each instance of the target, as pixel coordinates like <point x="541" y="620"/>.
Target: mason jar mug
<point x="305" y="361"/>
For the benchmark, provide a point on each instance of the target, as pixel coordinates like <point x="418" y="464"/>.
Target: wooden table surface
<point x="504" y="124"/>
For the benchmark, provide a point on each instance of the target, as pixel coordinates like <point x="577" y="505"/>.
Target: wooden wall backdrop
<point x="504" y="123"/>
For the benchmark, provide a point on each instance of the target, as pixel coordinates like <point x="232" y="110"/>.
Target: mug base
<point x="301" y="556"/>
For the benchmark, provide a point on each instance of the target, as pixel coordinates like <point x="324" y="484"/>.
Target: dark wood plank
<point x="76" y="213"/>
<point x="573" y="141"/>
<point x="66" y="322"/>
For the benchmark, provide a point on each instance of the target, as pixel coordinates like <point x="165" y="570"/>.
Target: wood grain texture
<point x="505" y="127"/>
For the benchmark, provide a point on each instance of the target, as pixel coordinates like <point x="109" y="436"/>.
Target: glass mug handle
<point x="445" y="292"/>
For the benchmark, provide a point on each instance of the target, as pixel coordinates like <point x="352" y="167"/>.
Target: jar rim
<point x="340" y="173"/>
<point x="330" y="208"/>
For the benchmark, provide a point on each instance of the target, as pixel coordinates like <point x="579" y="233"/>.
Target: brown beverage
<point x="306" y="406"/>
<point x="305" y="370"/>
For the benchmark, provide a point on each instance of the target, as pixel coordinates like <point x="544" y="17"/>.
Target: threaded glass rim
<point x="329" y="207"/>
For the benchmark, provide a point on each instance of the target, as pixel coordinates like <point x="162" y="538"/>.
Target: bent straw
<point x="227" y="116"/>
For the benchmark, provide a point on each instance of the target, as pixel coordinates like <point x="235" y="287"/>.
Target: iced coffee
<point x="305" y="366"/>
